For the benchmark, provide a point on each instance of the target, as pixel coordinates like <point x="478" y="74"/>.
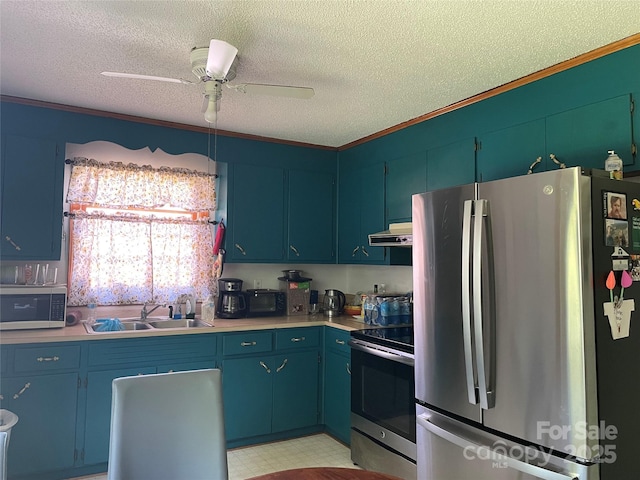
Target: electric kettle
<point x="333" y="303"/>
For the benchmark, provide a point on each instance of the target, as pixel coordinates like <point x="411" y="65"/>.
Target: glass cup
<point x="19" y="276"/>
<point x="29" y="274"/>
<point x="51" y="275"/>
<point x="41" y="274"/>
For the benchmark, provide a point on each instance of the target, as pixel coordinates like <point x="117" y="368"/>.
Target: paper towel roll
<point x="73" y="317"/>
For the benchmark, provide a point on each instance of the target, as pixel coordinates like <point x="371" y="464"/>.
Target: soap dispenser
<point x="613" y="165"/>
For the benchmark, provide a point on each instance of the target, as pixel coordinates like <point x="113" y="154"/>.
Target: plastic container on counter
<point x="387" y="310"/>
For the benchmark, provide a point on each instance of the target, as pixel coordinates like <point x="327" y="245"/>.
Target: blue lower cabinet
<point x="98" y="418"/>
<point x="337" y="384"/>
<point x="295" y="391"/>
<point x="111" y="359"/>
<point x="272" y="391"/>
<point x="44" y="437"/>
<point x="248" y="402"/>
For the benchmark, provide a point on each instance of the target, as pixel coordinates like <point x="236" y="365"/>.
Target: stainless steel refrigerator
<point x="527" y="347"/>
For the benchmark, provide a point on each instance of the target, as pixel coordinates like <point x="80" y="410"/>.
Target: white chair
<point x="168" y="426"/>
<point x="4" y="445"/>
<point x="7" y="422"/>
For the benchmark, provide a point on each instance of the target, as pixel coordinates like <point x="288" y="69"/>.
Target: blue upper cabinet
<point x="361" y="197"/>
<point x="256" y="214"/>
<point x="258" y="205"/>
<point x="32" y="182"/>
<point x="311" y="215"/>
<point x="511" y="151"/>
<point x="405" y="176"/>
<point x="451" y="165"/>
<point x="577" y="137"/>
<point x="582" y="136"/>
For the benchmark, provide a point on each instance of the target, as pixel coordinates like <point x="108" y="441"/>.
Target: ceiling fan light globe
<point x="220" y="58"/>
<point x="211" y="115"/>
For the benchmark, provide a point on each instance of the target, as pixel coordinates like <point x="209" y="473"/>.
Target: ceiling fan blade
<point x="146" y="77"/>
<point x="275" y="90"/>
<point x="221" y="56"/>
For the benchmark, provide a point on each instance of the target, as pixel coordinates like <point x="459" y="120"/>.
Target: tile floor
<point x="313" y="451"/>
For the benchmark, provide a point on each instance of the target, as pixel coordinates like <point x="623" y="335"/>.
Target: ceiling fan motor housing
<point x="198" y="58"/>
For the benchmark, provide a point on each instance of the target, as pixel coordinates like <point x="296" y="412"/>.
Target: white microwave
<point x="31" y="306"/>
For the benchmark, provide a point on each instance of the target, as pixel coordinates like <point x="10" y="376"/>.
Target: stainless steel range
<point x="383" y="416"/>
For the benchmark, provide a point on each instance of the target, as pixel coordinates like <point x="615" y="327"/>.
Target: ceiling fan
<point x="215" y="66"/>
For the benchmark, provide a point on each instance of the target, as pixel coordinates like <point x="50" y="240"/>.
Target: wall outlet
<point x="257" y="284"/>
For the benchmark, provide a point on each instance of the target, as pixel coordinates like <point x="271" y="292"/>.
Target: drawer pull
<point x="298" y="339"/>
<point x="281" y="366"/>
<point x="24" y="389"/>
<point x="348" y="368"/>
<point x="239" y="247"/>
<point x="248" y="344"/>
<point x="265" y="366"/>
<point x="48" y="359"/>
<point x="340" y="342"/>
<point x="13" y="244"/>
<point x="355" y="250"/>
<point x="294" y="250"/>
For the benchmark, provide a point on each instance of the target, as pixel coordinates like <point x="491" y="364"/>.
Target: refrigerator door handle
<point x="472" y="447"/>
<point x="466" y="300"/>
<point x="481" y="217"/>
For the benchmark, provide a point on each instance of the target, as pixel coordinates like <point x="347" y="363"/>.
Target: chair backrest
<point x="4" y="444"/>
<point x="168" y="426"/>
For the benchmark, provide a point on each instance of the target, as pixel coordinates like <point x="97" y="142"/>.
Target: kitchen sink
<point x="151" y="323"/>
<point x="182" y="323"/>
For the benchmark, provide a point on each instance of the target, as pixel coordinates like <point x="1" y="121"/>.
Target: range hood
<point x="398" y="235"/>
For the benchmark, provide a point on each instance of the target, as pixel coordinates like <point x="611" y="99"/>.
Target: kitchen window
<point x="138" y="233"/>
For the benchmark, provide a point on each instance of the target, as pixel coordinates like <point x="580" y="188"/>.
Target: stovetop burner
<point x="400" y="338"/>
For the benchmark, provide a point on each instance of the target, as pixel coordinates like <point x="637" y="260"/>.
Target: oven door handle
<point x="395" y="357"/>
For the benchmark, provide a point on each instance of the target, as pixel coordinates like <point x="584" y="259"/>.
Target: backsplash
<point x="347" y="278"/>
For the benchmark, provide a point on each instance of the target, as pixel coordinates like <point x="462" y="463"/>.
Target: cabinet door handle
<point x="532" y="166"/>
<point x="355" y="250"/>
<point x="348" y="368"/>
<point x="263" y="365"/>
<point x="239" y="247"/>
<point x="24" y="389"/>
<point x="281" y="366"/>
<point x="556" y="161"/>
<point x="13" y="244"/>
<point x="340" y="342"/>
<point x="364" y="251"/>
<point x="298" y="339"/>
<point x="55" y="358"/>
<point x="294" y="250"/>
<point x="248" y="344"/>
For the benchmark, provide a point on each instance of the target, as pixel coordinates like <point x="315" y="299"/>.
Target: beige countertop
<point x="78" y="332"/>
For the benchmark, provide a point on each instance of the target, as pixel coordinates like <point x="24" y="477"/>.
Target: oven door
<point x="382" y="396"/>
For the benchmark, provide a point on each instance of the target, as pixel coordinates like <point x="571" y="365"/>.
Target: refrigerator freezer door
<point x="450" y="450"/>
<point x="443" y="379"/>
<point x="545" y="383"/>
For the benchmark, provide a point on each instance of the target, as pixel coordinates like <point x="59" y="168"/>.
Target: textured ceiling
<point x="373" y="64"/>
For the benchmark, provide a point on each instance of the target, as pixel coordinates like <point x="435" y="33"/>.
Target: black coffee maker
<point x="232" y="302"/>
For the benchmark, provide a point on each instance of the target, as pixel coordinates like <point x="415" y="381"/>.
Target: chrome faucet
<point x="145" y="313"/>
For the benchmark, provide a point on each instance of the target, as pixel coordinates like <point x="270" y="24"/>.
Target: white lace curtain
<point x="129" y="257"/>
